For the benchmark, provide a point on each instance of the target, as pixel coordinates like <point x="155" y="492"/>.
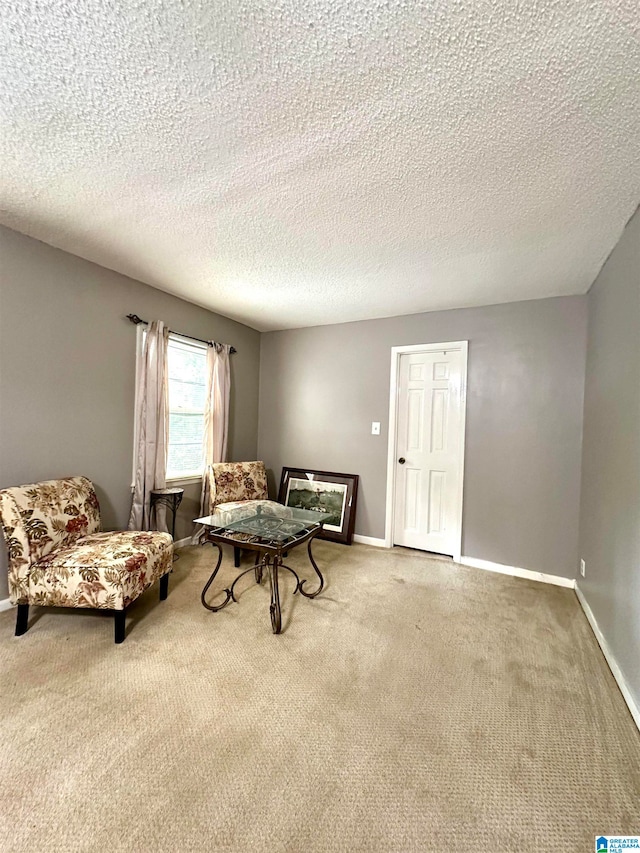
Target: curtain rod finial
<point x="134" y="318"/>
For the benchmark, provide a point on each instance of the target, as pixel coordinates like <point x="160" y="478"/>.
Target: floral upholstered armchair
<point x="58" y="556"/>
<point x="239" y="488"/>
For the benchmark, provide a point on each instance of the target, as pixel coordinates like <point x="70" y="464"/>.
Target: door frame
<point x="396" y="352"/>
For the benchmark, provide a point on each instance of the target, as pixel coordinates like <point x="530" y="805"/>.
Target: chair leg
<point x="236" y="557"/>
<point x="120" y="622"/>
<point x="164" y="586"/>
<point x="22" y="620"/>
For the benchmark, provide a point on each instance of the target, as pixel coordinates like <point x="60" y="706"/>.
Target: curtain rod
<point x="137" y="320"/>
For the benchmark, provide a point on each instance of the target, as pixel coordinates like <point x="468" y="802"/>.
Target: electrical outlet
<point x="375" y="428"/>
<point x="583" y="568"/>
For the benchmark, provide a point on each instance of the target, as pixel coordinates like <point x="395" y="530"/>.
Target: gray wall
<point x="67" y="365"/>
<point x="610" y="509"/>
<point x="321" y="387"/>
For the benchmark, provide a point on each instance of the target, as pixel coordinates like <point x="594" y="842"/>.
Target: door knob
<point x="402" y="460"/>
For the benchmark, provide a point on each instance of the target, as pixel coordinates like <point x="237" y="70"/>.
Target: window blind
<point x="187" y="364"/>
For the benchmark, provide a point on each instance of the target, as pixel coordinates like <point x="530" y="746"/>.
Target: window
<point x="187" y="365"/>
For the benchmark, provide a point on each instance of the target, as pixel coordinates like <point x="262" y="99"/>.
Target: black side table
<point x="169" y="497"/>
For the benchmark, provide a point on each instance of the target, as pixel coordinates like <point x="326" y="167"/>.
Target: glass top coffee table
<point x="271" y="533"/>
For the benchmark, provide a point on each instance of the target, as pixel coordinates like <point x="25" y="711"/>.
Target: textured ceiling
<point x="292" y="163"/>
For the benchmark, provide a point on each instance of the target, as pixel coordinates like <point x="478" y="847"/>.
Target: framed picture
<point x="323" y="491"/>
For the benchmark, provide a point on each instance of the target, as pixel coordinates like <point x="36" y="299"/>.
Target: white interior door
<point x="429" y="450"/>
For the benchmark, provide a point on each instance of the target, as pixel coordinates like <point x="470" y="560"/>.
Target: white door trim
<point x="396" y="352"/>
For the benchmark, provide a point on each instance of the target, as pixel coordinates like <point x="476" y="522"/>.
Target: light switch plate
<point x="375" y="428"/>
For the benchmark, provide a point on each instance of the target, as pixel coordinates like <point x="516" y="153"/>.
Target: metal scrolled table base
<point x="269" y="559"/>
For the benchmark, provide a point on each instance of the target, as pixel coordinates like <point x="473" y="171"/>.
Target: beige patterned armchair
<point x="58" y="556"/>
<point x="238" y="486"/>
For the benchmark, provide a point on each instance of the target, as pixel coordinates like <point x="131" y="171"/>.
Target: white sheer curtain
<point x="216" y="420"/>
<point x="152" y="420"/>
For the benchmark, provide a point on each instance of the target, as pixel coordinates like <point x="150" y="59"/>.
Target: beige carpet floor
<point x="414" y="705"/>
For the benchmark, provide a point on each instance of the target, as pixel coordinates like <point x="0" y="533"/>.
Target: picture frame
<point x="305" y="488"/>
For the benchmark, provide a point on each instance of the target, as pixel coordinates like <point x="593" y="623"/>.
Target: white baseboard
<point x="610" y="658"/>
<point x="180" y="543"/>
<point x="369" y="540"/>
<point x="517" y="573"/>
<point x="5" y="604"/>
